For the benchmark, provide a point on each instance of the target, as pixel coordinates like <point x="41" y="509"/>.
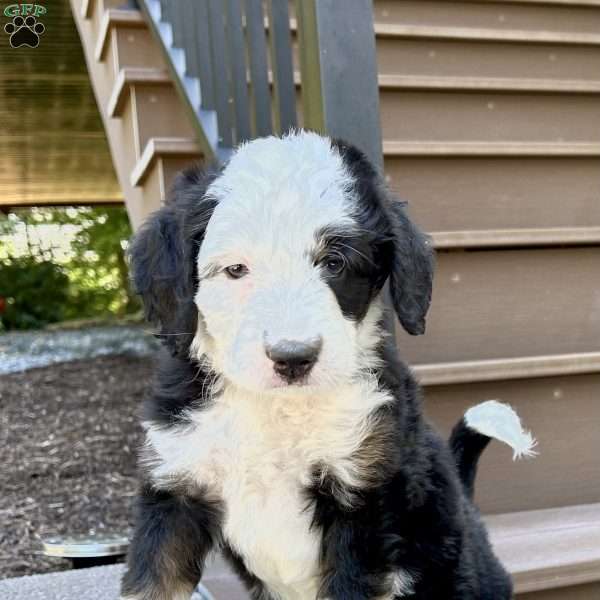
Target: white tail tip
<point x="501" y="422"/>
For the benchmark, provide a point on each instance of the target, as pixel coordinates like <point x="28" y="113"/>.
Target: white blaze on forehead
<point x="277" y="192"/>
<point x="273" y="197"/>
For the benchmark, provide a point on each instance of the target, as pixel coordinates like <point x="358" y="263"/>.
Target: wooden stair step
<point x="522" y="367"/>
<point x="156" y="147"/>
<point x="149" y="107"/>
<point x="498" y="117"/>
<point x="487" y="59"/>
<point x="549" y="548"/>
<point x="114" y="17"/>
<point x="133" y="47"/>
<point x="476" y="84"/>
<point x="485" y="34"/>
<point x="557" y="403"/>
<point x="132" y="76"/>
<point x="520" y="539"/>
<point x="457" y="193"/>
<point x="551" y="15"/>
<point x="482" y="84"/>
<point x="507" y="303"/>
<point x="476" y="148"/>
<point x="495" y="238"/>
<point x="558" y="66"/>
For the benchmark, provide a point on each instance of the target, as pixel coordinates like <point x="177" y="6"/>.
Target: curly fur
<point x="333" y="487"/>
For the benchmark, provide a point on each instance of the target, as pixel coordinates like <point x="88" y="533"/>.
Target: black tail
<point x="467" y="446"/>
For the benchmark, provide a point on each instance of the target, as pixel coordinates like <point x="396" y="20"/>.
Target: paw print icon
<point x="24" y="32"/>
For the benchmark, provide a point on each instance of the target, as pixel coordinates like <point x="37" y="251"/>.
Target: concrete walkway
<point x="102" y="583"/>
<point x="22" y="350"/>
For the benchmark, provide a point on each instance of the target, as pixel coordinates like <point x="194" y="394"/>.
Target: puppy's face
<point x="290" y="263"/>
<point x="287" y="273"/>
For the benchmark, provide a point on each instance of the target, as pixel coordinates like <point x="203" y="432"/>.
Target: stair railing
<point x="238" y="65"/>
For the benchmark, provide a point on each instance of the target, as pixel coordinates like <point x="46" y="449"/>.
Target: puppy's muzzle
<point x="293" y="360"/>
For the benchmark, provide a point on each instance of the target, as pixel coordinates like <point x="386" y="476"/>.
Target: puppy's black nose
<point x="293" y="360"/>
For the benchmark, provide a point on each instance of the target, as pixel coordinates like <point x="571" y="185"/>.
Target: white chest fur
<point x="255" y="453"/>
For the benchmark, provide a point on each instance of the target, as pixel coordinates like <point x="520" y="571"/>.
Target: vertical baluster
<point x="221" y="76"/>
<point x="284" y="90"/>
<point x="340" y="91"/>
<point x="177" y="19"/>
<point x="259" y="76"/>
<point x="200" y="20"/>
<point x="307" y="36"/>
<point x="237" y="56"/>
<point x="164" y="11"/>
<point x="190" y="39"/>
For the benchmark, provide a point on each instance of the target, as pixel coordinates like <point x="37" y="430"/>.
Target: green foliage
<point x="34" y="293"/>
<point x="94" y="264"/>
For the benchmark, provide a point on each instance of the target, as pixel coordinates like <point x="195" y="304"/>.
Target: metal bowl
<point x="93" y="545"/>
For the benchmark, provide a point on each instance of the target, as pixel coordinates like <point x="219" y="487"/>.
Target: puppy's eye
<point x="334" y="265"/>
<point x="236" y="271"/>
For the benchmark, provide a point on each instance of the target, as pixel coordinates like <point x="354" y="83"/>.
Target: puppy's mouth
<point x="282" y="382"/>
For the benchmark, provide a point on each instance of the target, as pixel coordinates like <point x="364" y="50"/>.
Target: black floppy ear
<point x="412" y="259"/>
<point x="162" y="260"/>
<point x="411" y="276"/>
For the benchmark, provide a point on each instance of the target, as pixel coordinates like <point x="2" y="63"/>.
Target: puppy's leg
<point x="352" y="566"/>
<point x="174" y="533"/>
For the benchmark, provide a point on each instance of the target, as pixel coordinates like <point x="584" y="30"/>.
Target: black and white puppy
<point x="283" y="429"/>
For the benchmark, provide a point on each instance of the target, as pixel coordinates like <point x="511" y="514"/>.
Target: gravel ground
<point x="68" y="439"/>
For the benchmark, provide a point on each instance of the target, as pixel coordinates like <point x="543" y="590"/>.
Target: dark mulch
<point x="68" y="440"/>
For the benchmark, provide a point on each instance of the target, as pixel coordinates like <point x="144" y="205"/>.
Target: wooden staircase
<point x="491" y="125"/>
<point x="151" y="138"/>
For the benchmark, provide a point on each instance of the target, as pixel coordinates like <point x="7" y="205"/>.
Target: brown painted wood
<point x="157" y="114"/>
<point x="108" y="20"/>
<point x="511" y="303"/>
<point x="495" y="369"/>
<point x="453" y="194"/>
<point x="535" y="546"/>
<point x="157" y="148"/>
<point x="119" y="132"/>
<point x="514" y="238"/>
<point x="456" y="58"/>
<point x="563" y="414"/>
<point x="590" y="591"/>
<point x="161" y="175"/>
<point x="129" y="76"/>
<point x="524" y="16"/>
<point x="157" y="183"/>
<point x="134" y="47"/>
<point x="489" y="116"/>
<point x="550" y="548"/>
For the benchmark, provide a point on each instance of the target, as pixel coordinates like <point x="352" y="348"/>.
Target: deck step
<point x="485" y="34"/>
<point x="458" y="193"/>
<point x="483" y="84"/>
<point x="547" y="549"/>
<point x="523" y="367"/>
<point x="519" y="118"/>
<point x="156" y="147"/>
<point x="501" y="303"/>
<point x="453" y="148"/>
<point x="133" y="76"/>
<point x="114" y="17"/>
<point x="517" y="238"/>
<point x="559" y="405"/>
